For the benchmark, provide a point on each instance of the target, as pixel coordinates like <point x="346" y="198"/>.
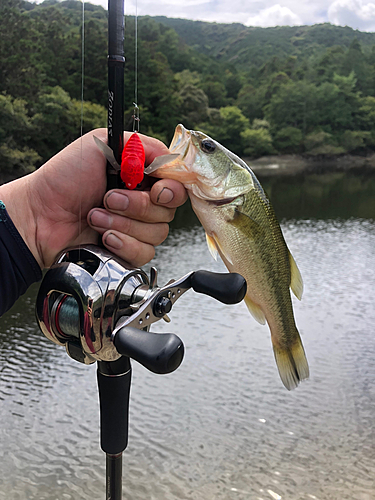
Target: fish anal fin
<point x="212" y="246"/>
<point x="255" y="310"/>
<point x="296" y="283"/>
<point x="292" y="364"/>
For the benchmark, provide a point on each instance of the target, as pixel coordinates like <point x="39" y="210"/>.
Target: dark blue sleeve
<point x="18" y="267"/>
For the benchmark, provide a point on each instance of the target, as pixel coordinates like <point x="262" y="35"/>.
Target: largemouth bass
<point x="241" y="227"/>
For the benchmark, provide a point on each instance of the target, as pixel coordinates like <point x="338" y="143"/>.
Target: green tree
<point x="293" y="105"/>
<point x="232" y="84"/>
<point x="52" y="24"/>
<point x="327" y="64"/>
<point x="215" y="91"/>
<point x="275" y="83"/>
<point x="366" y="113"/>
<point x="251" y="101"/>
<point x="93" y="115"/>
<point x="55" y="123"/>
<point x="193" y="105"/>
<point x="21" y="67"/>
<point x="355" y="62"/>
<point x="321" y="143"/>
<point x="336" y="105"/>
<point x="15" y="128"/>
<point x="257" y="142"/>
<point x="227" y="128"/>
<point x="356" y="141"/>
<point x="187" y="77"/>
<point x="260" y="124"/>
<point x="95" y="64"/>
<point x="288" y="140"/>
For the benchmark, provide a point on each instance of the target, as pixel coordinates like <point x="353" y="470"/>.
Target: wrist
<point x="18" y="199"/>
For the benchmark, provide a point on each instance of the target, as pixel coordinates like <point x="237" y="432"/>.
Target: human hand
<point x="57" y="206"/>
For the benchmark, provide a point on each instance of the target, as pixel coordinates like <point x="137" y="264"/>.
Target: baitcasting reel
<point x="100" y="308"/>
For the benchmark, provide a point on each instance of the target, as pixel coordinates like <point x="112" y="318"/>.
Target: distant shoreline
<point x="268" y="166"/>
<point x="296" y="164"/>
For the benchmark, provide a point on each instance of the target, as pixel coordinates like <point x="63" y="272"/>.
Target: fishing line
<point x="82" y="61"/>
<point x="82" y="89"/>
<point x="136" y="58"/>
<point x="135" y="116"/>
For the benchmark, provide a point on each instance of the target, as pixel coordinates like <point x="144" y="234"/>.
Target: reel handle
<point x="160" y="353"/>
<point x="228" y="288"/>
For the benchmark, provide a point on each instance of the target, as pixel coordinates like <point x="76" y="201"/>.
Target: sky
<point x="358" y="14"/>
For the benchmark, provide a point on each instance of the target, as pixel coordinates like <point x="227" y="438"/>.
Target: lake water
<point x="222" y="426"/>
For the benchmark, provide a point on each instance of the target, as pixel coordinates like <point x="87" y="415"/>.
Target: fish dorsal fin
<point x="296" y="283"/>
<point x="212" y="246"/>
<point x="255" y="310"/>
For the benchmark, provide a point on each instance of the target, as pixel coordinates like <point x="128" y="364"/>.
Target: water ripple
<point x="222" y="427"/>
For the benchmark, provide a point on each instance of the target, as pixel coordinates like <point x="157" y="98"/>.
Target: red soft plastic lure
<point x="132" y="162"/>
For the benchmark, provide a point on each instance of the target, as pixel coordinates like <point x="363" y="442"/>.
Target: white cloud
<point x="358" y="14"/>
<point x="354" y="13"/>
<point x="275" y="16"/>
<point x="186" y="3"/>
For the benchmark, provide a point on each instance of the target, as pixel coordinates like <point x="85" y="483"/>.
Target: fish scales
<point x="242" y="228"/>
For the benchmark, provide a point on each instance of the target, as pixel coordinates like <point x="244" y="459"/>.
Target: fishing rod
<point x="101" y="309"/>
<point x="116" y="72"/>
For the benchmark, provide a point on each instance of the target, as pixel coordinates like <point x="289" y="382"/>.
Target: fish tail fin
<point x="292" y="363"/>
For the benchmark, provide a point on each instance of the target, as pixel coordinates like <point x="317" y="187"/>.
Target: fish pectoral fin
<point x="255" y="310"/>
<point x="296" y="282"/>
<point x="246" y="224"/>
<point x="108" y="153"/>
<point x="211" y="243"/>
<point x="219" y="248"/>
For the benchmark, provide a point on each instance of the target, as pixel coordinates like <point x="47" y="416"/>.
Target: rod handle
<point x="114" y="379"/>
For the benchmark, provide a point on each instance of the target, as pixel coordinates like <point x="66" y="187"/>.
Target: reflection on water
<point x="329" y="196"/>
<point x="222" y="426"/>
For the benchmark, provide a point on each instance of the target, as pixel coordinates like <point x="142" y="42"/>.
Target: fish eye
<point x="208" y="146"/>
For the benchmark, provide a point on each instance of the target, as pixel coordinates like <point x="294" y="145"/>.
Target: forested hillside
<point x="308" y="89"/>
<point x="251" y="46"/>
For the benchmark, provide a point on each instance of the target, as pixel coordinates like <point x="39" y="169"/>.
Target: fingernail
<point x="165" y="196"/>
<point x="113" y="241"/>
<point x="117" y="201"/>
<point x="100" y="219"/>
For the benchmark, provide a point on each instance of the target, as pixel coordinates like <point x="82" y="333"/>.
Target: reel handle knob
<point x="228" y="288"/>
<point x="158" y="352"/>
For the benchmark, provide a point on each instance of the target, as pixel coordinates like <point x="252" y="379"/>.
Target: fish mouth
<point x="223" y="201"/>
<point x="180" y="139"/>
